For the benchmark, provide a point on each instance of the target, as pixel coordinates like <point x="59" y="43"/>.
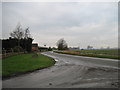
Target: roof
<point x="35" y="44"/>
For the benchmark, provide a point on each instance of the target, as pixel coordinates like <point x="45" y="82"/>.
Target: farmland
<point x="101" y="53"/>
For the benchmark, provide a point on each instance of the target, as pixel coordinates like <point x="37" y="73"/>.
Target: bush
<point x="18" y="49"/>
<point x="35" y="55"/>
<point x="49" y="49"/>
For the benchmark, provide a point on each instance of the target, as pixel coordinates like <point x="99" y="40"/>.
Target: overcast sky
<point x="79" y="23"/>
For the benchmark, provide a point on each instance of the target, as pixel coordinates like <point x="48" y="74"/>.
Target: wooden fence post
<point x="5" y="52"/>
<point x="12" y="50"/>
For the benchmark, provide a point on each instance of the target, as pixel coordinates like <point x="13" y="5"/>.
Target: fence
<point x="7" y="53"/>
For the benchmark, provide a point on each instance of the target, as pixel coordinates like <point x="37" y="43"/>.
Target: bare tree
<point x="18" y="33"/>
<point x="27" y="33"/>
<point x="62" y="45"/>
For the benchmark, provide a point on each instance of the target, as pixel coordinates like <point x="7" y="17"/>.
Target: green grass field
<point x="101" y="53"/>
<point x="24" y="62"/>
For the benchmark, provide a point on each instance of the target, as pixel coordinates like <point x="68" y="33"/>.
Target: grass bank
<point x="15" y="65"/>
<point x="107" y="53"/>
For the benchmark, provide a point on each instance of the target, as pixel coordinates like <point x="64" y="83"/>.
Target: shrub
<point x="35" y="55"/>
<point x="18" y="49"/>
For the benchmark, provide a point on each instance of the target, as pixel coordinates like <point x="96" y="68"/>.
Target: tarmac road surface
<point x="70" y="72"/>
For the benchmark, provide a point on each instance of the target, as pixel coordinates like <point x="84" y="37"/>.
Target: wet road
<point x="70" y="72"/>
<point x="82" y="60"/>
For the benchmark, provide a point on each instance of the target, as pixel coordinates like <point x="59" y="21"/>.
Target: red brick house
<point x="34" y="47"/>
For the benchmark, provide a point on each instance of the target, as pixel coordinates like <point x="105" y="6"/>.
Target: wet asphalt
<point x="70" y="72"/>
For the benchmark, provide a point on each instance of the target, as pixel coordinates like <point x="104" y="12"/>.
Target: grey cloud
<point x="73" y="21"/>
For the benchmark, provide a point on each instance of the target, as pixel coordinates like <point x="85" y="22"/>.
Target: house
<point x="34" y="47"/>
<point x="42" y="49"/>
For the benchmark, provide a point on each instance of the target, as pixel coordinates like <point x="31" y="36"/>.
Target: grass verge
<point x="90" y="54"/>
<point x="22" y="63"/>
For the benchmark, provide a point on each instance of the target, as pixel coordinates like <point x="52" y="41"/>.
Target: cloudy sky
<point x="79" y="23"/>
